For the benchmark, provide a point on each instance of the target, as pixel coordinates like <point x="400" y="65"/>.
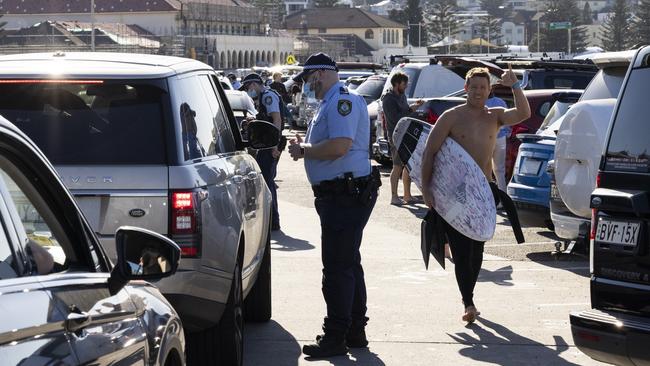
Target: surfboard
<point x="461" y="192"/>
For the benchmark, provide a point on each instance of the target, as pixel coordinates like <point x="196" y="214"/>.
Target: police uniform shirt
<point x="270" y="101"/>
<point x="340" y="114"/>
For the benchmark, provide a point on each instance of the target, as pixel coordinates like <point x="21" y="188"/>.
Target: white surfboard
<point x="461" y="193"/>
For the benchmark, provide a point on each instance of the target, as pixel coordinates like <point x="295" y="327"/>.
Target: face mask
<point x="308" y="90"/>
<point x="252" y="93"/>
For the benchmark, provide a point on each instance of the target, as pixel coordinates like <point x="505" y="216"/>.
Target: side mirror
<point x="262" y="135"/>
<point x="142" y="255"/>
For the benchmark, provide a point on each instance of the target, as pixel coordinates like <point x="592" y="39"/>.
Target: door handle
<point x="237" y="179"/>
<point x="77" y="320"/>
<point x="252" y="175"/>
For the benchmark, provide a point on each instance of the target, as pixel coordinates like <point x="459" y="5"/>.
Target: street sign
<point x="559" y="25"/>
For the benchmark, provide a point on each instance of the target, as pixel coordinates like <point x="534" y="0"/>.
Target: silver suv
<point x="151" y="141"/>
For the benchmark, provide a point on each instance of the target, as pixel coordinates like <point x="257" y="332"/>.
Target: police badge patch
<point x="268" y="100"/>
<point x="344" y="107"/>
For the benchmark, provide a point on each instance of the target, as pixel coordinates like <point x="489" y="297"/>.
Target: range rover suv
<point x="617" y="328"/>
<point x="151" y="141"/>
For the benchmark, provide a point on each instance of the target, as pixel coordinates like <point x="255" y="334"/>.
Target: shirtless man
<point x="475" y="128"/>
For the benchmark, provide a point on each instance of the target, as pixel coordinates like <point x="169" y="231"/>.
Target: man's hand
<point x="413" y="107"/>
<point x="428" y="199"/>
<point x="294" y="148"/>
<point x="509" y="78"/>
<point x="275" y="153"/>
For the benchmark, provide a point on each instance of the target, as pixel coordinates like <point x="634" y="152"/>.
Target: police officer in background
<point x="268" y="106"/>
<point x="345" y="186"/>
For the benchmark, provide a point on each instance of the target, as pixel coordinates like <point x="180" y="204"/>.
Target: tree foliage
<point x="616" y="30"/>
<point x="641" y="24"/>
<point x="274" y="10"/>
<point x="496" y="8"/>
<point x="587" y="17"/>
<point x="441" y="20"/>
<point x="556" y="40"/>
<point x="490" y="29"/>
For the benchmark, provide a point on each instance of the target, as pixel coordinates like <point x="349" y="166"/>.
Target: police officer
<point x="268" y="106"/>
<point x="338" y="167"/>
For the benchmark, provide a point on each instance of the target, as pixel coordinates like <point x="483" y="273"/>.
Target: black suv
<point x="617" y="329"/>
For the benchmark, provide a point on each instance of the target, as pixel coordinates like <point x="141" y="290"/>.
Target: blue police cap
<point x="317" y="61"/>
<point x="250" y="78"/>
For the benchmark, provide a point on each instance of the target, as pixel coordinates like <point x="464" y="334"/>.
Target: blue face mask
<point x="308" y="90"/>
<point x="252" y="93"/>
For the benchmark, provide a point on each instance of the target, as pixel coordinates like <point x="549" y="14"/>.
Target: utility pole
<point x="408" y="34"/>
<point x="569" y="45"/>
<point x="92" y="25"/>
<point x="538" y="33"/>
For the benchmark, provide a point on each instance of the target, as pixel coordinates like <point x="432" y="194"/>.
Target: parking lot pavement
<point x="525" y="298"/>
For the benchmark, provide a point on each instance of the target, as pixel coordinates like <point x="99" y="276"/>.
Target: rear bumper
<point x="569" y="227"/>
<point x="613" y="338"/>
<point x="531" y="203"/>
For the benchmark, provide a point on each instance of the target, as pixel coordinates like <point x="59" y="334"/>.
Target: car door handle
<point x="237" y="179"/>
<point x="77" y="320"/>
<point x="252" y="175"/>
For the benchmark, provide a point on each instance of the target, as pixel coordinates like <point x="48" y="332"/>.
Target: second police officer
<point x="345" y="189"/>
<point x="268" y="106"/>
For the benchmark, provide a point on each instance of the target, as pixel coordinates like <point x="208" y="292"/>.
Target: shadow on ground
<point x="283" y="242"/>
<point x="495" y="344"/>
<point x="269" y="344"/>
<point x="501" y="276"/>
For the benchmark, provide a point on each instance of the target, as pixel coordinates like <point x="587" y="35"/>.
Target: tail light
<point x="185" y="222"/>
<point x="517" y="129"/>
<point x="432" y="117"/>
<point x="594" y="213"/>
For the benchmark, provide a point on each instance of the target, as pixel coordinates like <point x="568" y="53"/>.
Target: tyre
<point x="222" y="344"/>
<point x="257" y="306"/>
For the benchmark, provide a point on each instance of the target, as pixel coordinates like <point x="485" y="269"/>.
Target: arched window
<point x="385" y="37"/>
<point x="392" y="36"/>
<point x="370" y="34"/>
<point x="207" y="29"/>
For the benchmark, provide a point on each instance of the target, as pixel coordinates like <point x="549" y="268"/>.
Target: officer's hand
<point x="294" y="148"/>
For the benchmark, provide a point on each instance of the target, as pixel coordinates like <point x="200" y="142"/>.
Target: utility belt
<point x="360" y="188"/>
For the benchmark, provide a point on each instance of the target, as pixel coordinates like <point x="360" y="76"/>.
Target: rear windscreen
<point x="629" y="145"/>
<point x="90" y="122"/>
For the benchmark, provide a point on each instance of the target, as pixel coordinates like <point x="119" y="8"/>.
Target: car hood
<point x="579" y="146"/>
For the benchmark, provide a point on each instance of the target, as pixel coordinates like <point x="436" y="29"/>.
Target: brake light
<point x="185" y="224"/>
<point x="432" y="117"/>
<point x="517" y="129"/>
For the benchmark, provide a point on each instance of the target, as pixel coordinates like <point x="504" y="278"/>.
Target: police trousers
<point x="269" y="167"/>
<point x="343" y="218"/>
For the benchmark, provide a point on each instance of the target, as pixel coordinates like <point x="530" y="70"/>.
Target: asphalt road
<point x="525" y="293"/>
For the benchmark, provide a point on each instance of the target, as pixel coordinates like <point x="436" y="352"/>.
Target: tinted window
<point x="199" y="131"/>
<point x="567" y="81"/>
<point x="225" y="139"/>
<point x="629" y="146"/>
<point x="371" y="89"/>
<point x="103" y="122"/>
<point x="413" y="73"/>
<point x="606" y="84"/>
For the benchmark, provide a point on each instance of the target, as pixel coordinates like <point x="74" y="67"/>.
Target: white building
<point x="294" y="6"/>
<point x="384" y="7"/>
<point x="513" y="34"/>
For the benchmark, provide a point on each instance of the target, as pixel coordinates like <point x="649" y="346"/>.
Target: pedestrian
<point x="499" y="154"/>
<point x="279" y="87"/>
<point x="233" y="81"/>
<point x="268" y="107"/>
<point x="474" y="127"/>
<point x="345" y="189"/>
<point x="395" y="106"/>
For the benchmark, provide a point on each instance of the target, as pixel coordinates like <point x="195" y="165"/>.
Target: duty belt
<point x="340" y="186"/>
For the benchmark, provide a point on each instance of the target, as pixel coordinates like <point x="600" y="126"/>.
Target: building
<point x="224" y="33"/>
<point x="384" y="7"/>
<point x="359" y="32"/>
<point x="513" y="34"/>
<point x="294" y="6"/>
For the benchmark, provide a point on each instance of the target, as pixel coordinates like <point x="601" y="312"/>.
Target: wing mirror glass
<point x="262" y="134"/>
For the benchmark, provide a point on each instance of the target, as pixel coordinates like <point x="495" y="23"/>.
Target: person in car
<point x="395" y="106"/>
<point x="474" y="127"/>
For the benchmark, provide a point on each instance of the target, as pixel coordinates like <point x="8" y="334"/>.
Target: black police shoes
<point x="326" y="346"/>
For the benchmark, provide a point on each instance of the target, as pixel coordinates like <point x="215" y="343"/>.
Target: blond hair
<point x="278" y="74"/>
<point x="480" y="72"/>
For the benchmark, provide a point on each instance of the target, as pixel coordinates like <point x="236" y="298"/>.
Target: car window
<point x="90" y="122"/>
<point x="199" y="131"/>
<point x="412" y="72"/>
<point x="544" y="108"/>
<point x="45" y="242"/>
<point x="7" y="264"/>
<point x="629" y="146"/>
<point x="371" y="88"/>
<point x="606" y="84"/>
<point x="225" y="139"/>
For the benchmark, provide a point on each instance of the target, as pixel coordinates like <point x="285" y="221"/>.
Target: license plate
<point x="530" y="166"/>
<point x="554" y="193"/>
<point x="617" y="232"/>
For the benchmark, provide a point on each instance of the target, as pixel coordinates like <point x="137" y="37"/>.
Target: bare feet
<point x="470" y="314"/>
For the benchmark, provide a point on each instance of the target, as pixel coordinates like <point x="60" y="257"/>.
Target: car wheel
<point x="257" y="306"/>
<point x="222" y="344"/>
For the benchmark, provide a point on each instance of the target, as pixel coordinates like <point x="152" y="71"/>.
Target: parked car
<point x="550" y="74"/>
<point x="63" y="302"/>
<point x="579" y="145"/>
<point x="617" y="328"/>
<point x="529" y="187"/>
<point x="151" y="141"/>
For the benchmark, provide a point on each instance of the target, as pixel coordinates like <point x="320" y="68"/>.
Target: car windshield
<point x="412" y="72"/>
<point x="606" y="84"/>
<point x="371" y="89"/>
<point x="90" y="122"/>
<point x="629" y="146"/>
